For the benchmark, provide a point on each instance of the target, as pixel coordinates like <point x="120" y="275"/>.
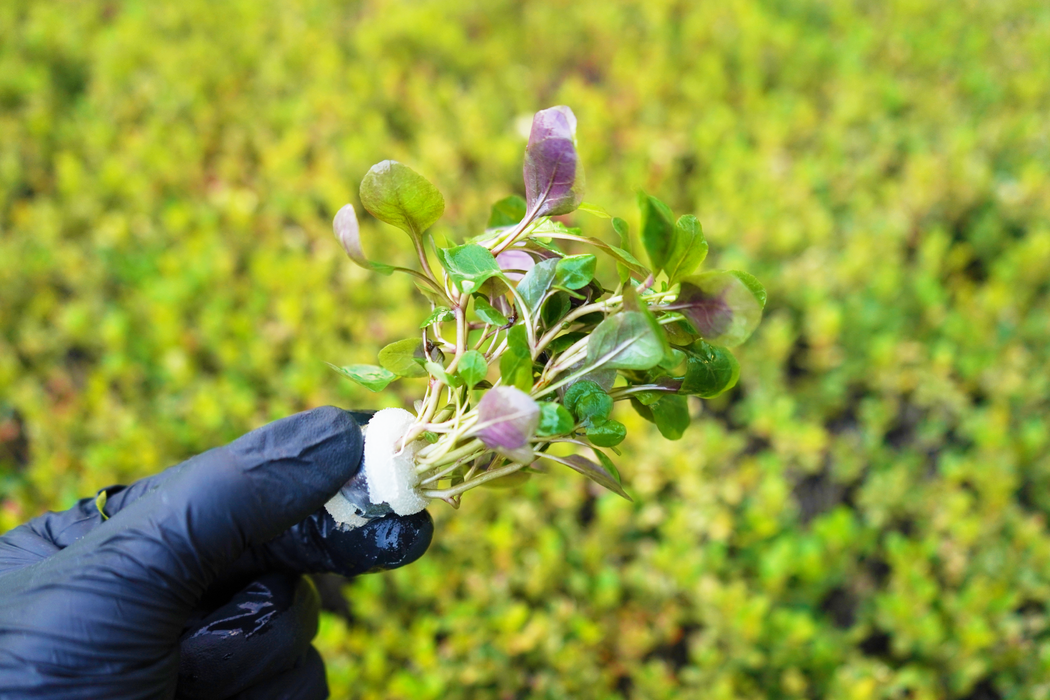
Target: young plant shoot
<point x="524" y="347"/>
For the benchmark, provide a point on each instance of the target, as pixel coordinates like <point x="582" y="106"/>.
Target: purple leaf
<point x="721" y="307"/>
<point x="507" y="420"/>
<point x="596" y="472"/>
<point x="346" y="230"/>
<point x="553" y="174"/>
<point x="515" y="263"/>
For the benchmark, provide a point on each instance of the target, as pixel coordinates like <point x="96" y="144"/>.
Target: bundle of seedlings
<point x="524" y="347"/>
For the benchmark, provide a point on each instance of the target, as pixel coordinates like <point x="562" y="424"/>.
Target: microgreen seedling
<point x="526" y="345"/>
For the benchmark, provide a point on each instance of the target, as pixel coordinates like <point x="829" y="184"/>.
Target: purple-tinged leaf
<point x="624" y="259"/>
<point x="515" y="263"/>
<point x="595" y="472"/>
<point x="627" y="340"/>
<point x="349" y="235"/>
<point x="396" y="194"/>
<point x="507" y="420"/>
<point x="553" y="174"/>
<point x="721" y="306"/>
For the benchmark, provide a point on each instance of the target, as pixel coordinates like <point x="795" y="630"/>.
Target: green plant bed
<point x="862" y="516"/>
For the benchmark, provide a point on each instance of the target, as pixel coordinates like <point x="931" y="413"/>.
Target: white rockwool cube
<point x="390" y="474"/>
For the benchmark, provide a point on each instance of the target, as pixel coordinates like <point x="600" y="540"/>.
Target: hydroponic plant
<point x="525" y="348"/>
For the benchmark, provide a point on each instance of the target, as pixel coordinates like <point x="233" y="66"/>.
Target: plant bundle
<point x="525" y="348"/>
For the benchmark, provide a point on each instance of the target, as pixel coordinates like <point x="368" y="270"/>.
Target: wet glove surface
<point x="193" y="587"/>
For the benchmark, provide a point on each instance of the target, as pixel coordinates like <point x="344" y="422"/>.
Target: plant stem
<point x="625" y="392"/>
<point x="575" y="375"/>
<point x="526" y="317"/>
<point x="461" y="336"/>
<point x="572" y="316"/>
<point x="446" y="471"/>
<point x="468" y="485"/>
<point x="512" y="236"/>
<point x="422" y="253"/>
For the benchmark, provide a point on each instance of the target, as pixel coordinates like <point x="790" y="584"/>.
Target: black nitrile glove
<point x="192" y="588"/>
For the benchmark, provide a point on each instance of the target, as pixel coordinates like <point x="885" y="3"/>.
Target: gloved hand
<point x="192" y="588"/>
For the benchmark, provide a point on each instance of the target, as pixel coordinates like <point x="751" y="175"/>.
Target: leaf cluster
<point x="526" y="348"/>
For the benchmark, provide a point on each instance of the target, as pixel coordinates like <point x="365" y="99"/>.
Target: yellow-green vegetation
<point x="864" y="516"/>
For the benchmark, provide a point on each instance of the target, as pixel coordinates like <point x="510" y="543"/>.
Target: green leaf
<point x="100" y="504"/>
<point x="538" y="244"/>
<point x="622" y="257"/>
<point x="487" y="313"/>
<point x="647" y="398"/>
<point x="518" y="340"/>
<point x="564" y="342"/>
<point x="398" y="195"/>
<point x="679" y="333"/>
<point x="588" y="401"/>
<point x="594" y="209"/>
<point x="673" y="360"/>
<point x="515" y="365"/>
<point x="753" y="285"/>
<point x="516" y="370"/>
<point x="606" y="433"/>
<point x="554" y="419"/>
<point x="555" y="309"/>
<point x="575" y="271"/>
<point x="671" y="415"/>
<point x="507" y="212"/>
<point x="440" y="313"/>
<point x="622" y="230"/>
<point x="468" y="266"/>
<point x="548" y="227"/>
<point x="536" y="282"/>
<point x="689" y="249"/>
<point x="403" y="358"/>
<point x="642" y="408"/>
<point x="658" y="230"/>
<point x="608" y="465"/>
<point x="627" y="340"/>
<point x="435" y="297"/>
<point x="441" y="373"/>
<point x="369" y="376"/>
<point x="472" y="367"/>
<point x="597" y="473"/>
<point x="710" y="371"/>
<point x="593" y="407"/>
<point x="722" y="307"/>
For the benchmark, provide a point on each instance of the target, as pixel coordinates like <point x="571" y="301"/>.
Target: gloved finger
<point x="161" y="551"/>
<point x="260" y="632"/>
<point x="306" y="681"/>
<point x="43" y="536"/>
<point x="318" y="545"/>
<point x="119" y="497"/>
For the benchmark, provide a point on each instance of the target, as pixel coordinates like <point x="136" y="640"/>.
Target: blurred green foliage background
<point x="863" y="517"/>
